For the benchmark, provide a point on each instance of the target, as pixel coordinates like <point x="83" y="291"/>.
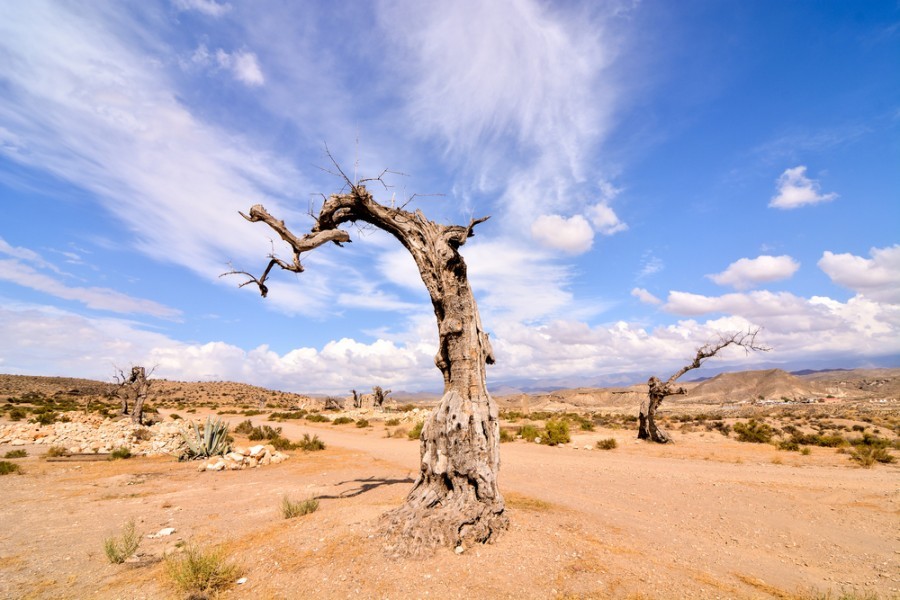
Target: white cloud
<point x="107" y="119"/>
<point x="747" y="272"/>
<point x="605" y="219"/>
<point x="573" y="235"/>
<point x="650" y="265"/>
<point x="877" y="278"/>
<point x="243" y="65"/>
<point x="210" y="8"/>
<point x="92" y="297"/>
<point x="645" y="296"/>
<point x="27" y="255"/>
<point x="795" y="189"/>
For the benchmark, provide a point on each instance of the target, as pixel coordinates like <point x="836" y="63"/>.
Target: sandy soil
<point x="706" y="518"/>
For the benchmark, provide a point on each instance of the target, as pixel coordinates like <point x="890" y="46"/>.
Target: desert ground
<point x="706" y="517"/>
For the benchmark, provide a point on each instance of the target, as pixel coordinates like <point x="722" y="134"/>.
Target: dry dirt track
<point x="706" y="518"/>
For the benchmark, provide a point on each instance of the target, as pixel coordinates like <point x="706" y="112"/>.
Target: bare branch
<point x="743" y="339"/>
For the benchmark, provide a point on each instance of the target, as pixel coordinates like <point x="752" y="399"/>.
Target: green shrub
<point x="264" y="432"/>
<point x="56" y="451"/>
<point x="392" y="422"/>
<point x="44" y="418"/>
<point x="244" y="427"/>
<point x="284" y="416"/>
<point x="175" y="417"/>
<point x="16" y="454"/>
<point x="310" y="444"/>
<point x="556" y="432"/>
<point x="416" y="432"/>
<point x="790" y="445"/>
<point x="529" y="432"/>
<point x="7" y="467"/>
<point x="199" y="571"/>
<point x="120" y="454"/>
<point x="753" y="431"/>
<point x="342" y="421"/>
<point x="607" y="444"/>
<point x="17" y="414"/>
<point x="407" y="408"/>
<point x="399" y="433"/>
<point x="119" y="549"/>
<point x="362" y="423"/>
<point x="292" y="509"/>
<point x="506" y="436"/>
<point x="281" y="444"/>
<point x="805" y="451"/>
<point x="867" y="456"/>
<point x="317" y="418"/>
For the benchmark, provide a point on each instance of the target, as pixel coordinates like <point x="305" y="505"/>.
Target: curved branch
<point x="744" y="339"/>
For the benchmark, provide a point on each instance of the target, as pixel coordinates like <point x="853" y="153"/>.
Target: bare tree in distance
<point x="658" y="390"/>
<point x="379" y="396"/>
<point x="456" y="500"/>
<point x="133" y="387"/>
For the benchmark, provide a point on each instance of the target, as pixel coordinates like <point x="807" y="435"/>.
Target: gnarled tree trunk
<point x="658" y="390"/>
<point x="135" y="388"/>
<point x="455" y="500"/>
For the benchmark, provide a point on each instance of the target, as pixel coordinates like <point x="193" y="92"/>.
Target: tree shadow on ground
<point x="365" y="485"/>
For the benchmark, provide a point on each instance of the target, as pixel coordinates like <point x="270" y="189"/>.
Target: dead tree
<point x="135" y="388"/>
<point x="658" y="390"/>
<point x="455" y="500"/>
<point x="379" y="395"/>
<point x="357" y="399"/>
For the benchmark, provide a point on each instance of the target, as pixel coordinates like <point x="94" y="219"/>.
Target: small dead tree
<point x="357" y="399"/>
<point x="379" y="396"/>
<point x="456" y="500"/>
<point x="658" y="390"/>
<point x="134" y="388"/>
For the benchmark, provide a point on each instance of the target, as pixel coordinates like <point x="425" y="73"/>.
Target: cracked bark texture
<point x="659" y="390"/>
<point x="455" y="500"/>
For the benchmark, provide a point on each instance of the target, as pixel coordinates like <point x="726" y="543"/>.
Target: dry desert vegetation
<point x="776" y="486"/>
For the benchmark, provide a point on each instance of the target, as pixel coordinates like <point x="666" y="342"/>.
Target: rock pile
<point x="243" y="458"/>
<point x="85" y="433"/>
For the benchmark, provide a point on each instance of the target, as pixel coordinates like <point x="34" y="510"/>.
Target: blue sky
<point x="656" y="173"/>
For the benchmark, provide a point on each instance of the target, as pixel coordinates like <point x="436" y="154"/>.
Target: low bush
<point x="310" y="444"/>
<point x="529" y="432"/>
<point x="175" y="417"/>
<point x="317" y="418"/>
<point x="120" y="454"/>
<point x="607" y="444"/>
<point x="56" y="451"/>
<point x="362" y="423"/>
<point x="244" y="427"/>
<point x="264" y="432"/>
<point x="399" y="433"/>
<point x="284" y="416"/>
<point x="506" y="436"/>
<point x="556" y="432"/>
<point x="7" y="467"/>
<point x="790" y="445"/>
<point x="416" y="432"/>
<point x="15" y="454"/>
<point x="805" y="451"/>
<point x="867" y="456"/>
<point x="392" y="422"/>
<point x="120" y="548"/>
<point x="342" y="421"/>
<point x="407" y="408"/>
<point x="17" y="414"/>
<point x="753" y="431"/>
<point x="200" y="572"/>
<point x="292" y="509"/>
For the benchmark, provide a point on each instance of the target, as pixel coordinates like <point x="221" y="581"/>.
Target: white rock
<point x="162" y="532"/>
<point x="256" y="451"/>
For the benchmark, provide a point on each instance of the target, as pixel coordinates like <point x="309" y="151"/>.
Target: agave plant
<point x="212" y="441"/>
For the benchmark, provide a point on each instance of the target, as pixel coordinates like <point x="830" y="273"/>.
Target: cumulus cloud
<point x="573" y="235"/>
<point x="243" y="65"/>
<point x="747" y="272"/>
<point x="645" y="296"/>
<point x="796" y="189"/>
<point x="605" y="219"/>
<point x="877" y="277"/>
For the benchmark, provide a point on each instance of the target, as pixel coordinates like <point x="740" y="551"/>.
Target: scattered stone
<point x="162" y="532"/>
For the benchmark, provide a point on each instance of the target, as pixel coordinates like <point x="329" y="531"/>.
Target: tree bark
<point x="456" y="500"/>
<point x="139" y="388"/>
